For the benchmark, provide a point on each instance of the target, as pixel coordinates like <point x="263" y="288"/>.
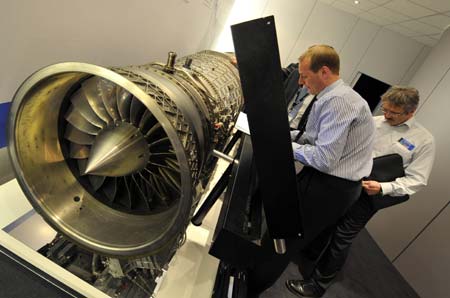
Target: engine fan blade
<point x="78" y="151"/>
<point x="173" y="164"/>
<point x="91" y="90"/>
<point x="124" y="198"/>
<point x="107" y="94"/>
<point x="170" y="179"/>
<point x="81" y="165"/>
<point x="141" y="202"/>
<point x="96" y="181"/>
<point x="110" y="188"/>
<point x="81" y="104"/>
<point x="74" y="117"/>
<point x="159" y="142"/>
<point x="76" y="136"/>
<point x="161" y="191"/>
<point x="153" y="130"/>
<point x="136" y="111"/>
<point x="147" y="122"/>
<point x="123" y="98"/>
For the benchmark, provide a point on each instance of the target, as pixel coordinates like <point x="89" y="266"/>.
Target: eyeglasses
<point x="395" y="114"/>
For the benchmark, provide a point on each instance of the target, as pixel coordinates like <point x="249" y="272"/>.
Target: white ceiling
<point x="422" y="20"/>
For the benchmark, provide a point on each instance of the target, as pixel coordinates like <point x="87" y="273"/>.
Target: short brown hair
<point x="401" y="96"/>
<point x="322" y="55"/>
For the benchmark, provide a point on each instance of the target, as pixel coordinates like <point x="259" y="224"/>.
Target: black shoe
<point x="305" y="288"/>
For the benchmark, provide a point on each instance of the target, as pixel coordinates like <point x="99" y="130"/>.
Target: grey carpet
<point x="367" y="274"/>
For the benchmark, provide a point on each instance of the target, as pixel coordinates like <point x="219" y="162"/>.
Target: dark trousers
<point x="346" y="231"/>
<point x="323" y="199"/>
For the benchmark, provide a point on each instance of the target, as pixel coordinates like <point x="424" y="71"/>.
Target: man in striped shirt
<point x="335" y="147"/>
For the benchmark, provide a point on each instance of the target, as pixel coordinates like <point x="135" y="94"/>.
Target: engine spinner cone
<point x="118" y="151"/>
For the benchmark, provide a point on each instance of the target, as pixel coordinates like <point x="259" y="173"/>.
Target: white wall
<point x="416" y="233"/>
<point x="363" y="46"/>
<point x="109" y="33"/>
<point x="13" y="203"/>
<point x="34" y="34"/>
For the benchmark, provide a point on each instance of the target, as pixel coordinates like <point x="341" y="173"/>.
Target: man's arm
<point x="333" y="125"/>
<point x="416" y="175"/>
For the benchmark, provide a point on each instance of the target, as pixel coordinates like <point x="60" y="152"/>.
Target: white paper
<point x="242" y="123"/>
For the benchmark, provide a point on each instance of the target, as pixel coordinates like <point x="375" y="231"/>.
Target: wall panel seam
<point x="420" y="232"/>
<point x="432" y="90"/>
<point x="301" y="32"/>
<point x="411" y="65"/>
<point x="349" y="35"/>
<point x="355" y="70"/>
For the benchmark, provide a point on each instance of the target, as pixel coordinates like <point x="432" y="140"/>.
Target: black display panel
<point x="370" y="89"/>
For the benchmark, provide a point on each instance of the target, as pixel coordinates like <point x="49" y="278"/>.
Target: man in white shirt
<point x="396" y="132"/>
<point x="399" y="132"/>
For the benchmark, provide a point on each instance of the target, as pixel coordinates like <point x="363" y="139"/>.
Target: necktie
<point x="304" y="120"/>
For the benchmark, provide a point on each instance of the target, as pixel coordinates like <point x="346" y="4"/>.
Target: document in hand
<point x="387" y="168"/>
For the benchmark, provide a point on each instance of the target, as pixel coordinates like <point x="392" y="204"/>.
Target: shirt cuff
<point x="386" y="188"/>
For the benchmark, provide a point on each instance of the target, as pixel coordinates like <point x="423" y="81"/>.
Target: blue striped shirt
<point x="339" y="134"/>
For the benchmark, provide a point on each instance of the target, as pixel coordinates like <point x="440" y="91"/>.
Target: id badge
<point x="407" y="144"/>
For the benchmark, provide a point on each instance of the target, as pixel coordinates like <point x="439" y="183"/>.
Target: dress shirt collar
<point x="409" y="123"/>
<point x="329" y="88"/>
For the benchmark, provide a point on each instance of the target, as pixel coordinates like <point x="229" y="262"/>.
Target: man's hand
<point x="233" y="60"/>
<point x="371" y="187"/>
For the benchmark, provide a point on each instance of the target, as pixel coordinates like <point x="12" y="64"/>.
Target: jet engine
<point x="112" y="158"/>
